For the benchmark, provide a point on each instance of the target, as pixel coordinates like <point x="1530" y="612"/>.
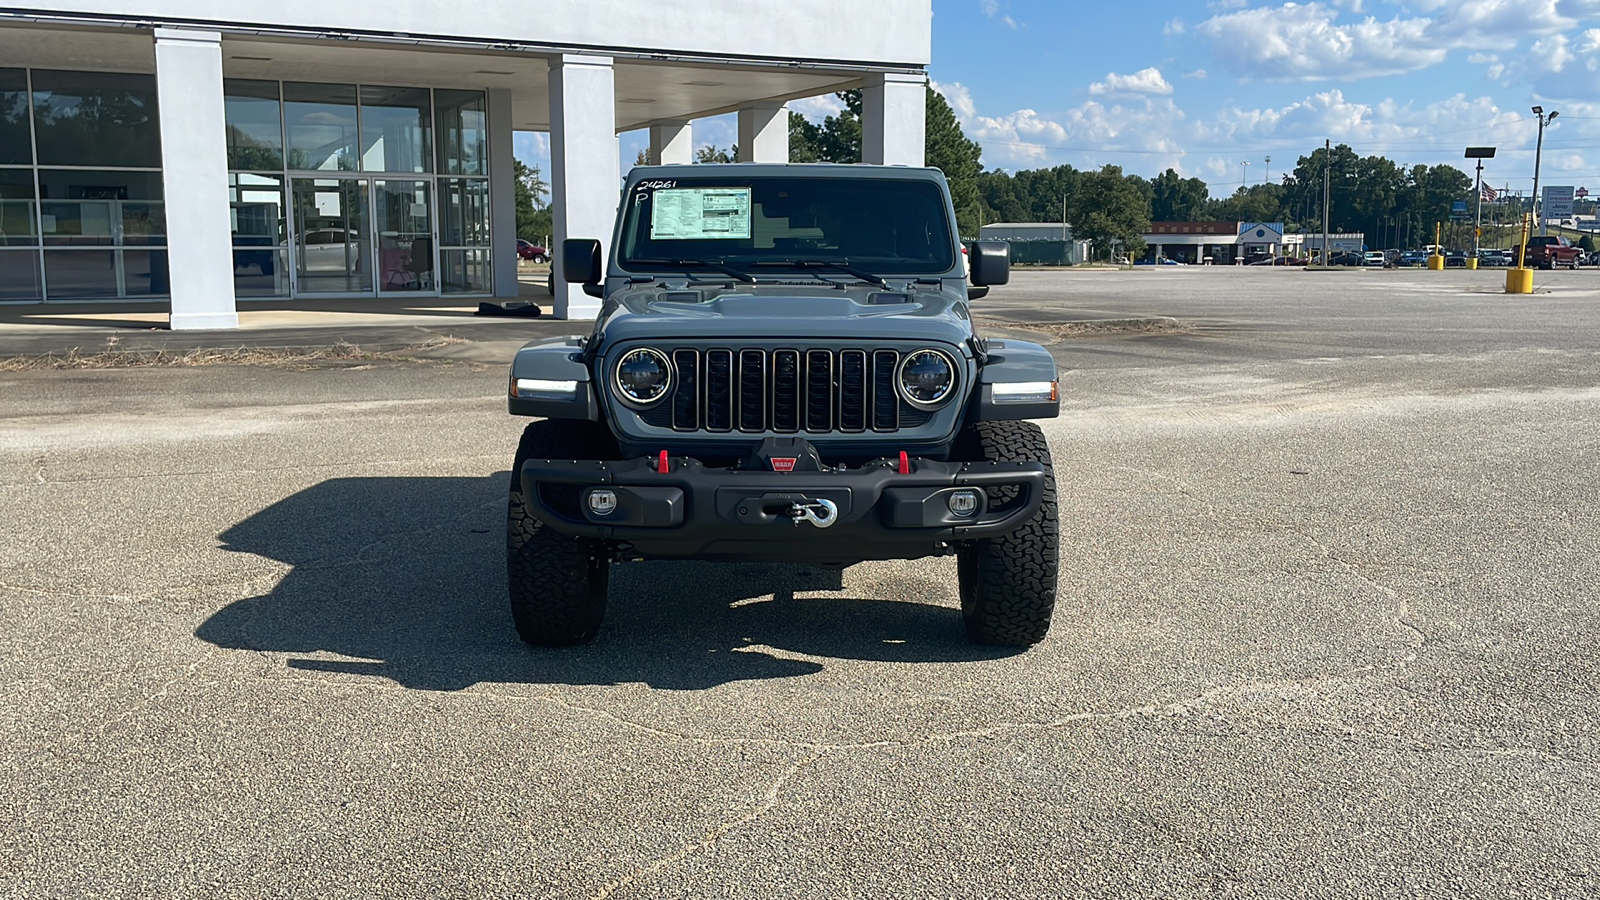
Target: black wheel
<point x="557" y="583"/>
<point x="1008" y="583"/>
<point x="550" y="287"/>
<point x="540" y="258"/>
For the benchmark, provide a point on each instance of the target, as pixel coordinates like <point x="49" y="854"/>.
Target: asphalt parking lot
<point x="1328" y="627"/>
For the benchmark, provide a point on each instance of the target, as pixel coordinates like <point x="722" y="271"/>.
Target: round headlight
<point x="643" y="376"/>
<point x="927" y="378"/>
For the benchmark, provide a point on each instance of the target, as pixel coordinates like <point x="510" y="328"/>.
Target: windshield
<point x="890" y="226"/>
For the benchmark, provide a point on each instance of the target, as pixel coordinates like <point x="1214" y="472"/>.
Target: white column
<point x="503" y="191"/>
<point x="584" y="178"/>
<point x="672" y="143"/>
<point x="764" y="134"/>
<point x="194" y="172"/>
<point x="894" y="119"/>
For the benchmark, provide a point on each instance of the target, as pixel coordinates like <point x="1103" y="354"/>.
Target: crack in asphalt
<point x="1402" y="619"/>
<point x="770" y="800"/>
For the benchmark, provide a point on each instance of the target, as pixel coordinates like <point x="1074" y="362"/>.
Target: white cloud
<point x="1196" y="74"/>
<point x="1550" y="54"/>
<point x="990" y="7"/>
<point x="817" y="108"/>
<point x="1010" y="22"/>
<point x="1294" y="42"/>
<point x="1144" y="81"/>
<point x="959" y="98"/>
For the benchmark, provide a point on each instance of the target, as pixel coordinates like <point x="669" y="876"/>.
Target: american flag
<point x="1489" y="194"/>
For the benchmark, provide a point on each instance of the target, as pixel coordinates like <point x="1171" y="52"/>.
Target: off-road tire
<point x="557" y="583"/>
<point x="1008" y="583"/>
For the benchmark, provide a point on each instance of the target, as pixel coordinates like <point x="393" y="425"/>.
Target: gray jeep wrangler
<point x="783" y="368"/>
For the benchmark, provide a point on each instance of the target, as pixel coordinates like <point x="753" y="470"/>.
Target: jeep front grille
<point x="786" y="391"/>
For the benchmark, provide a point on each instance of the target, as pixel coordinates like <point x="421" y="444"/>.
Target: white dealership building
<point x="206" y="154"/>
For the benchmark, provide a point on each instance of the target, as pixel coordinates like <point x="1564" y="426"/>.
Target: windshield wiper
<point x="862" y="274"/>
<point x="716" y="264"/>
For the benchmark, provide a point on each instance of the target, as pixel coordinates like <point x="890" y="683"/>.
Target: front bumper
<point x="683" y="509"/>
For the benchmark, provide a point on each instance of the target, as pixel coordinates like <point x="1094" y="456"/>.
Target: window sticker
<point x="688" y="214"/>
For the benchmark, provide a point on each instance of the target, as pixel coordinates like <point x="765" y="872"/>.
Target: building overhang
<point x="651" y="87"/>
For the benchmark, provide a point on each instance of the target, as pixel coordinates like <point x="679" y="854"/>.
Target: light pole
<point x="1480" y="154"/>
<point x="1538" y="151"/>
<point x="1266" y="172"/>
<point x="1244" y="178"/>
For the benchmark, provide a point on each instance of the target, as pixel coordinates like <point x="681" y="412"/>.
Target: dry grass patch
<point x="113" y="357"/>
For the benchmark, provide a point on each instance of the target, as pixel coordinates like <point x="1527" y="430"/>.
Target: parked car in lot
<point x="532" y="252"/>
<point x="1549" y="251"/>
<point x="1492" y="258"/>
<point x="1455" y="259"/>
<point x="1373" y="259"/>
<point x="1347" y="259"/>
<point x="1412" y="259"/>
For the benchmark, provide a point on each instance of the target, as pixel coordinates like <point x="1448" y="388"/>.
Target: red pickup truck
<point x="1551" y="251"/>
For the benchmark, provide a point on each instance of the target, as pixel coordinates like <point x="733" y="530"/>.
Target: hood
<point x="656" y="311"/>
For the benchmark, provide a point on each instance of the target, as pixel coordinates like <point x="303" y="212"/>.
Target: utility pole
<point x="1327" y="165"/>
<point x="1244" y="177"/>
<point x="1266" y="175"/>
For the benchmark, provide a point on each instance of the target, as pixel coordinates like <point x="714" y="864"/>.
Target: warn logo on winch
<point x="783" y="464"/>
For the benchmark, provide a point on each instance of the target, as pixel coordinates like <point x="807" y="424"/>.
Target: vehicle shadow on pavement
<point x="404" y="578"/>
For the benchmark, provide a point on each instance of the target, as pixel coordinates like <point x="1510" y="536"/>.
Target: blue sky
<point x="1203" y="87"/>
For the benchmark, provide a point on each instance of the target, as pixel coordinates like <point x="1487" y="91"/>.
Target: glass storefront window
<point x="464" y="212"/>
<point x="81" y="274"/>
<point x="87" y="207"/>
<point x="18" y="227"/>
<point x="405" y="234"/>
<point x="255" y="124"/>
<point x="16" y="139"/>
<point x="19" y="275"/>
<point x="396" y="130"/>
<point x="260" y="236"/>
<point x="465" y="271"/>
<point x="463" y="132"/>
<point x="145" y="274"/>
<point x="96" y="119"/>
<point x="321" y="123"/>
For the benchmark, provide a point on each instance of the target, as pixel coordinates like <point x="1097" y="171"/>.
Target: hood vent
<point x="877" y="297"/>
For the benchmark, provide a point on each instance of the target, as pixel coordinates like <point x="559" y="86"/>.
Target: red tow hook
<point x="662" y="465"/>
<point x="905" y="463"/>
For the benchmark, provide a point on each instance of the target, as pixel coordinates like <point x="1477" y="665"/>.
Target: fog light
<point x="602" y="503"/>
<point x="963" y="503"/>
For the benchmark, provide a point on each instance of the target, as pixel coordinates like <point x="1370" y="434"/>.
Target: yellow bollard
<point x="1519" y="281"/>
<point x="1436" y="262"/>
<point x="1472" y="262"/>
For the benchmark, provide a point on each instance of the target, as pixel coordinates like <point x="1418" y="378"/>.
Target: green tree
<point x="948" y="149"/>
<point x="837" y="139"/>
<point x="534" y="219"/>
<point x="711" y="153"/>
<point x="1109" y="210"/>
<point x="1256" y="203"/>
<point x="1177" y="199"/>
<point x="1586" y="243"/>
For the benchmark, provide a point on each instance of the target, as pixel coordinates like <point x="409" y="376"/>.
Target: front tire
<point x="557" y="583"/>
<point x="1008" y="583"/>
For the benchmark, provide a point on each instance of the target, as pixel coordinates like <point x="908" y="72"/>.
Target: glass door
<point x="333" y="251"/>
<point x="405" y="235"/>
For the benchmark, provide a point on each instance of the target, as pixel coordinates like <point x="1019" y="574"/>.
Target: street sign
<point x="1558" y="201"/>
<point x="1581" y="193"/>
<point x="1458" y="209"/>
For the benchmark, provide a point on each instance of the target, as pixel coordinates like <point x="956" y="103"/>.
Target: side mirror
<point x="991" y="263"/>
<point x="580" y="261"/>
